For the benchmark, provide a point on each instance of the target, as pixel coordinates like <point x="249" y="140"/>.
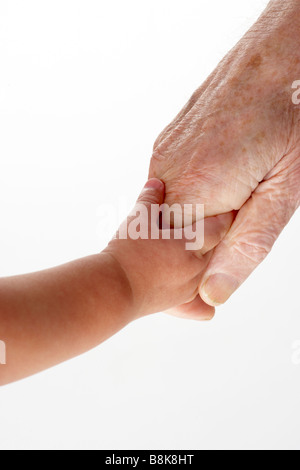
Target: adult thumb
<point x="249" y="241"/>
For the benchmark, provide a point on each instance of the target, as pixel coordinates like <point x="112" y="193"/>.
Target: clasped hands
<point x="235" y="149"/>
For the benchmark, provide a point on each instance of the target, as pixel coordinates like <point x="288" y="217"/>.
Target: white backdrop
<point x="85" y="88"/>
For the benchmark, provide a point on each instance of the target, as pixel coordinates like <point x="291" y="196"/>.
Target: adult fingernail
<point x="218" y="289"/>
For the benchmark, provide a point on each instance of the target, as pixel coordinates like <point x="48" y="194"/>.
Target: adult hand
<point x="236" y="146"/>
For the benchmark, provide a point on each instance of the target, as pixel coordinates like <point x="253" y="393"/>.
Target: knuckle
<point x="158" y="141"/>
<point x="158" y="154"/>
<point x="255" y="250"/>
<point x="170" y="130"/>
<point x="164" y="136"/>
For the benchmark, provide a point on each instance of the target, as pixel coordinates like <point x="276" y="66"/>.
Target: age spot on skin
<point x="260" y="137"/>
<point x="255" y="61"/>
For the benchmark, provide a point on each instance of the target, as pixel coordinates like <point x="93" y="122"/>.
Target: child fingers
<point x="196" y="310"/>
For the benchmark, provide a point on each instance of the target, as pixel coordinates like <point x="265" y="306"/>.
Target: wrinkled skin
<point x="236" y="146"/>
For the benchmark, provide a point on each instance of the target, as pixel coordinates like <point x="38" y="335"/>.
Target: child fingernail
<point x="154" y="183"/>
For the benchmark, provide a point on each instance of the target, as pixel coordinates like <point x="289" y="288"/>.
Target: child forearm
<point x="52" y="316"/>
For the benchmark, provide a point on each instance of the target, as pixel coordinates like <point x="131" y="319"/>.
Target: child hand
<point x="162" y="273"/>
<point x="51" y="316"/>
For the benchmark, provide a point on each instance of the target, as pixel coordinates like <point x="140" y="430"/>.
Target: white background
<point x="85" y="88"/>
